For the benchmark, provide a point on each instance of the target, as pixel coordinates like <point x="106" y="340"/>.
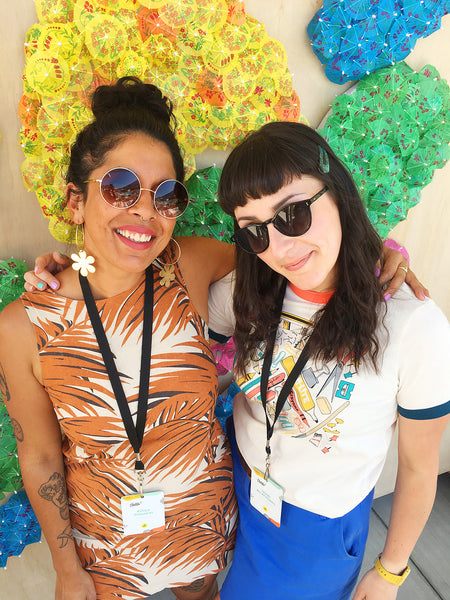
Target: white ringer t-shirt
<point x="330" y="441"/>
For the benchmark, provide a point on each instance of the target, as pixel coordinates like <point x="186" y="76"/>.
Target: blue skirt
<point x="310" y="557"/>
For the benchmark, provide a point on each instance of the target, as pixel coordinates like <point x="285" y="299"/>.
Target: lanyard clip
<point x="268" y="452"/>
<point x="139" y="471"/>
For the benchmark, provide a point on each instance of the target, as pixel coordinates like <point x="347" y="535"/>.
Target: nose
<point x="144" y="207"/>
<point x="279" y="244"/>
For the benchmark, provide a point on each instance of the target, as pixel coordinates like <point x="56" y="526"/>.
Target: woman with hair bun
<point x="122" y="458"/>
<point x="327" y="365"/>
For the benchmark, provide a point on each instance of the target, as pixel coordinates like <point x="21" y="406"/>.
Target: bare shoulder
<point x="30" y="409"/>
<point x="13" y="320"/>
<point x="17" y="341"/>
<point x="208" y="258"/>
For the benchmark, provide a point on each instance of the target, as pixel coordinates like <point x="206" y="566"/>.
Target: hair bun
<point x="131" y="94"/>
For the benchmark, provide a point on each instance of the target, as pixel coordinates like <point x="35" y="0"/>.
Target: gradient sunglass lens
<point x="171" y="199"/>
<point x="120" y="188"/>
<point x="253" y="238"/>
<point x="293" y="220"/>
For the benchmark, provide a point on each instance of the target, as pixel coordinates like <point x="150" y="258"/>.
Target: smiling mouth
<point x="300" y="263"/>
<point x="134" y="237"/>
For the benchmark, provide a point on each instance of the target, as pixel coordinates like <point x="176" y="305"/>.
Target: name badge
<point x="266" y="496"/>
<point x="141" y="514"/>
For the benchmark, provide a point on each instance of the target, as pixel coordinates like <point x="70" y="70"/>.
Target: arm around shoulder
<point x="206" y="257"/>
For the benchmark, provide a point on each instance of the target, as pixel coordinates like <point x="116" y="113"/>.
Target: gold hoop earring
<point x="167" y="273"/>
<point x="81" y="261"/>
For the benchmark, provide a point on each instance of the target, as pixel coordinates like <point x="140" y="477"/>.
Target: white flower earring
<point x="81" y="261"/>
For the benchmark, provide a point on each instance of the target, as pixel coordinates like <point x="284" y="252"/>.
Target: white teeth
<point x="135" y="237"/>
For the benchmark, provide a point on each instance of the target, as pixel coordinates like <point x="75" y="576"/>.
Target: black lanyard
<point x="287" y="386"/>
<point x="135" y="434"/>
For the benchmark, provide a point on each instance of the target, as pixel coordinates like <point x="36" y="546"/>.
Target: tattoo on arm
<point x="65" y="536"/>
<point x="18" y="431"/>
<point x="54" y="490"/>
<point x="4" y="386"/>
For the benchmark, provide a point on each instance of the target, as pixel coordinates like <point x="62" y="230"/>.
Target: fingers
<point x="392" y="261"/>
<point x="54" y="263"/>
<point x="402" y="274"/>
<point x="419" y="290"/>
<point x="396" y="281"/>
<point x="40" y="282"/>
<point x="43" y="276"/>
<point x="378" y="269"/>
<point x="396" y="271"/>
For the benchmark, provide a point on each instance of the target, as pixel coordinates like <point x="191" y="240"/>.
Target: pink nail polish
<point x="377" y="272"/>
<point x="54" y="285"/>
<point x="387" y="297"/>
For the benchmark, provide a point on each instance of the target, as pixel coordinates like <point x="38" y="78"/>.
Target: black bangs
<point x="266" y="161"/>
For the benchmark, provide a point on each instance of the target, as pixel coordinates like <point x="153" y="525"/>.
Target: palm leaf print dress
<point x="184" y="450"/>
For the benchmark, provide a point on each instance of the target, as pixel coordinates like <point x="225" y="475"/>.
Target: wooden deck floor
<point x="31" y="577"/>
<point x="430" y="560"/>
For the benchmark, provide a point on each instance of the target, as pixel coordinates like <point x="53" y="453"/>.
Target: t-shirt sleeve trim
<point x="218" y="337"/>
<point x="422" y="414"/>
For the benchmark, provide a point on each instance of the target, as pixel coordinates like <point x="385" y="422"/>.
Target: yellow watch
<point x="395" y="579"/>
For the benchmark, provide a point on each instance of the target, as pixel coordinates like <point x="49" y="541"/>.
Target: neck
<point x="311" y="295"/>
<point x="105" y="284"/>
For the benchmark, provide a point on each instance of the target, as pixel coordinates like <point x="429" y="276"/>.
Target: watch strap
<point x="391" y="577"/>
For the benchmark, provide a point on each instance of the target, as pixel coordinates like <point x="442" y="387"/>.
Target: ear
<point x="75" y="203"/>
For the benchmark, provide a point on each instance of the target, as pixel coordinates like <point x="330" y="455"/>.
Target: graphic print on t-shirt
<point x="315" y="406"/>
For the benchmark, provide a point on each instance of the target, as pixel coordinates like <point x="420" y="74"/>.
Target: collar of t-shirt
<point x="310" y="296"/>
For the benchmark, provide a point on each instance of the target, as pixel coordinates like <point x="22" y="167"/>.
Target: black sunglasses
<point x="291" y="220"/>
<point x="121" y="188"/>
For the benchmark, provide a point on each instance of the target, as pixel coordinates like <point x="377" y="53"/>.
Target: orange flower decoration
<point x="210" y="88"/>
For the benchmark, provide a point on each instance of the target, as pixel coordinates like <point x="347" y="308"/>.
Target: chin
<point x="312" y="284"/>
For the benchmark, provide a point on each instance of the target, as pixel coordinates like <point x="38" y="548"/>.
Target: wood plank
<point x="432" y="551"/>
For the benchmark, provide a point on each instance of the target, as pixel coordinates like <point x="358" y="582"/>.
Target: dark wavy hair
<point x="262" y="164"/>
<point x="128" y="106"/>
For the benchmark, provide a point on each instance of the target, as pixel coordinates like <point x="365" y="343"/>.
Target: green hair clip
<point x="324" y="162"/>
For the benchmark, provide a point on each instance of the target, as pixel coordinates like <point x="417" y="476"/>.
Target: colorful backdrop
<point x="24" y="232"/>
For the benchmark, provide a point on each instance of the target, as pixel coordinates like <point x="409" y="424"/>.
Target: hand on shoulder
<point x="46" y="267"/>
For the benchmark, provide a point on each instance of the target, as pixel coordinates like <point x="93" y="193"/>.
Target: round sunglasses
<point x="291" y="220"/>
<point x="121" y="188"/>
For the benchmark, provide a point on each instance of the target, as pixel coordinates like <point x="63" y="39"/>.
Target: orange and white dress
<point x="184" y="449"/>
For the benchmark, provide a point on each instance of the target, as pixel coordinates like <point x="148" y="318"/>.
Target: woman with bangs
<point x="328" y="364"/>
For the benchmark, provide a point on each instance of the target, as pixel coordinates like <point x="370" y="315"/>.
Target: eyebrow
<point x="283" y="202"/>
